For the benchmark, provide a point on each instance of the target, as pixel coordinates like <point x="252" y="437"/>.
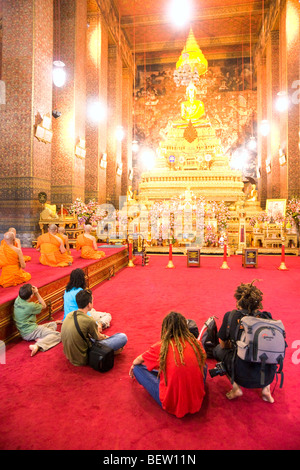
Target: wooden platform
<point x="52" y="292"/>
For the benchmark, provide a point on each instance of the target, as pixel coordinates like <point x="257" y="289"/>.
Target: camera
<point x="218" y="370"/>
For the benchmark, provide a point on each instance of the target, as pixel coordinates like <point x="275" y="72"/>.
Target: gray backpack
<point x="262" y="341"/>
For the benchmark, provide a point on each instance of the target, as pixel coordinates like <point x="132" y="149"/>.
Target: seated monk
<point x="88" y="245"/>
<point x="61" y="233"/>
<point x="53" y="252"/>
<point x="17" y="243"/>
<point x="12" y="263"/>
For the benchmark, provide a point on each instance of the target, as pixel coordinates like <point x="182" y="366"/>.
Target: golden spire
<point x="192" y="56"/>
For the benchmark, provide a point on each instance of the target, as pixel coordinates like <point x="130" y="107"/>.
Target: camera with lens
<point x="218" y="370"/>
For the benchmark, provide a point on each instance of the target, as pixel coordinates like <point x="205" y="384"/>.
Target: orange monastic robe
<point x="50" y="253"/>
<point x="85" y="244"/>
<point x="12" y="274"/>
<point x="26" y="258"/>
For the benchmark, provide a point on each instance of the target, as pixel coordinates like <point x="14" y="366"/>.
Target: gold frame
<point x="282" y="205"/>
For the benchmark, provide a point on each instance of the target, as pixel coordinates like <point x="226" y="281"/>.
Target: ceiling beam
<point x="203" y="43"/>
<point x="206" y="14"/>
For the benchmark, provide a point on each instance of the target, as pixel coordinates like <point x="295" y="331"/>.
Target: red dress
<point x="184" y="391"/>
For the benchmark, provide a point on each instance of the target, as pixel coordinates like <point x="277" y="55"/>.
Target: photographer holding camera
<point x="246" y="374"/>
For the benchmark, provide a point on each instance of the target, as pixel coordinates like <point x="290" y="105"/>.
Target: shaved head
<point x="52" y="228"/>
<point x="9" y="238"/>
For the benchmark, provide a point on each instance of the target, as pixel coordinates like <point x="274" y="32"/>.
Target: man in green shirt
<point x="25" y="312"/>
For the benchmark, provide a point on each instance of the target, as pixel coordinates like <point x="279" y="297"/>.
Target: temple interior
<point x="113" y="106"/>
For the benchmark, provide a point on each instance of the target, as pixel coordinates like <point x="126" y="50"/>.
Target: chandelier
<point x="191" y="63"/>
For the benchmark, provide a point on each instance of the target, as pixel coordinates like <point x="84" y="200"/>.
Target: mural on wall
<point x="227" y="90"/>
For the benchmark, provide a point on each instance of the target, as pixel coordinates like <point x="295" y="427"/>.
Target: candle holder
<point x="170" y="263"/>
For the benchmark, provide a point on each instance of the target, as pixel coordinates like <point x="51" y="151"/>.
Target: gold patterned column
<point x="262" y="141"/>
<point x="96" y="130"/>
<point x="25" y="163"/>
<point x="68" y="166"/>
<point x="114" y="121"/>
<point x="272" y="69"/>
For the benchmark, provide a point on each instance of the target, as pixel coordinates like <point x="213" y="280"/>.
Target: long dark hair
<point x="77" y="279"/>
<point x="249" y="297"/>
<point x="175" y="332"/>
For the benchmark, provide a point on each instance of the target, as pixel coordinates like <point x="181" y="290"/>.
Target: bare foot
<point x="266" y="395"/>
<point x="34" y="349"/>
<point x="234" y="393"/>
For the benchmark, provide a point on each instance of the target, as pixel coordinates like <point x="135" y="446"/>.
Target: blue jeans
<point x="115" y="341"/>
<point x="149" y="380"/>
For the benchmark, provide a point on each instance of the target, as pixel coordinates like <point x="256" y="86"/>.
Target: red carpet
<point x="46" y="403"/>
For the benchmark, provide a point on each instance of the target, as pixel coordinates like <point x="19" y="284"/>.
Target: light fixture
<point x="58" y="73"/>
<point x="180" y="12"/>
<point x="282" y="101"/>
<point x="268" y="165"/>
<point x="56" y="114"/>
<point x="135" y="146"/>
<point x="252" y="143"/>
<point x="130" y="174"/>
<point x="96" y="111"/>
<point x="120" y="133"/>
<point x="147" y="156"/>
<point x="264" y="127"/>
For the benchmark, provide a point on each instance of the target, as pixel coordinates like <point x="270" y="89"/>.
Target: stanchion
<point x="130" y="262"/>
<point x="170" y="263"/>
<point x="224" y="264"/>
<point x="282" y="266"/>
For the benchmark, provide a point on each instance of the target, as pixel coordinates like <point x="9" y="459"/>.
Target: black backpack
<point x="209" y="336"/>
<point x="100" y="356"/>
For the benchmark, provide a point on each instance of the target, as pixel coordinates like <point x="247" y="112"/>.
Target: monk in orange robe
<point x="53" y="252"/>
<point x="12" y="263"/>
<point x="61" y="233"/>
<point x="18" y="244"/>
<point x="88" y="245"/>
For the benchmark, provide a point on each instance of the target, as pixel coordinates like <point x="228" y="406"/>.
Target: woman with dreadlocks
<point x="246" y="374"/>
<point x="173" y="369"/>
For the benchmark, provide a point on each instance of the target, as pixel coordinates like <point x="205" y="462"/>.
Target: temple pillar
<point x="96" y="130"/>
<point x="25" y="164"/>
<point x="127" y="86"/>
<point x="290" y="82"/>
<point x="262" y="140"/>
<point x="114" y="120"/>
<point x="273" y="141"/>
<point x="68" y="169"/>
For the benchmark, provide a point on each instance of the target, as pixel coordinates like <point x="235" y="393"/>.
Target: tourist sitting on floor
<point x="53" y="252"/>
<point x="246" y="374"/>
<point x="25" y="312"/>
<point x="12" y="263"/>
<point x="17" y="243"/>
<point x="88" y="245"/>
<point x="61" y="233"/>
<point x="75" y="347"/>
<point x="173" y="370"/>
<point x="76" y="284"/>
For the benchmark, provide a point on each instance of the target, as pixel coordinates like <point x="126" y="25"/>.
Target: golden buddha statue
<point x="253" y="193"/>
<point x="192" y="109"/>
